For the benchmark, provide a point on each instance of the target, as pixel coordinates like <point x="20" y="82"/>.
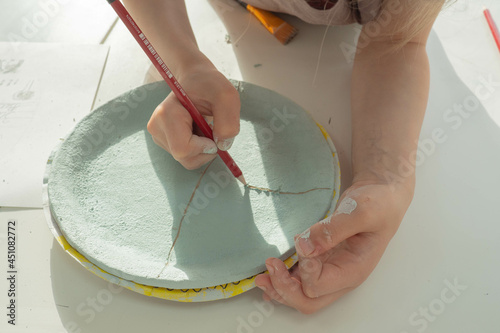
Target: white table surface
<point x="449" y="235"/>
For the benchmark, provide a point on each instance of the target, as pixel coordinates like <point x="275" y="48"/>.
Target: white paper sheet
<point x="45" y="89"/>
<point x="55" y="21"/>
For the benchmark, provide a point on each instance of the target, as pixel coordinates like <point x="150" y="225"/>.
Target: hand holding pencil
<point x="172" y="126"/>
<point x="203" y="89"/>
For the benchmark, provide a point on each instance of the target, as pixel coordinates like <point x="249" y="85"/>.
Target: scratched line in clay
<point x="263" y="189"/>
<point x="184" y="215"/>
<point x="114" y="217"/>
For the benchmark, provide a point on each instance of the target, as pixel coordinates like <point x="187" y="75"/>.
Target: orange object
<point x="280" y="29"/>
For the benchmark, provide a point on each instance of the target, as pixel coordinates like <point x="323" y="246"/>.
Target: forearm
<point x="389" y="97"/>
<point x="166" y="24"/>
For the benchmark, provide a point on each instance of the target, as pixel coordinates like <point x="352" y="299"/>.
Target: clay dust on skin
<point x="347" y="206"/>
<point x="305" y="234"/>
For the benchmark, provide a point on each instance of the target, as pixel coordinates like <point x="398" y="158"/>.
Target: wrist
<point x="191" y="63"/>
<point x="183" y="59"/>
<point x="385" y="162"/>
<point x="385" y="177"/>
<point x="400" y="178"/>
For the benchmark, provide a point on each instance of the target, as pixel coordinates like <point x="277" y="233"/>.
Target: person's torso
<point x="335" y="12"/>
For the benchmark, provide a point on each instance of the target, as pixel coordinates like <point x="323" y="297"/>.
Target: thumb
<point x="226" y="113"/>
<point x="329" y="232"/>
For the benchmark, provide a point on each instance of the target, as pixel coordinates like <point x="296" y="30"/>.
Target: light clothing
<point x="342" y="12"/>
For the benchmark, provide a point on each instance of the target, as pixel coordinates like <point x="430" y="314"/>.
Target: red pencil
<point x="173" y="83"/>
<point x="493" y="27"/>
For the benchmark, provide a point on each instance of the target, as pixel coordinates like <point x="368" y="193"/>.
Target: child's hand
<point x="172" y="127"/>
<point x="340" y="252"/>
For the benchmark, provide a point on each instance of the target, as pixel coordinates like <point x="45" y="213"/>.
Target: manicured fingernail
<point x="224" y="144"/>
<point x="304" y="246"/>
<point x="270" y="268"/>
<point x="211" y="149"/>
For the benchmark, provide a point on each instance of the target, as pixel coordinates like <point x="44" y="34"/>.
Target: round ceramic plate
<point x="130" y="213"/>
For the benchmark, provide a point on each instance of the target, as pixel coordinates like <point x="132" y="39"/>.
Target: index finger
<point x="345" y="266"/>
<point x="287" y="290"/>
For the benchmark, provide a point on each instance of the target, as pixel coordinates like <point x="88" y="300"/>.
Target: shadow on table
<point x="89" y="304"/>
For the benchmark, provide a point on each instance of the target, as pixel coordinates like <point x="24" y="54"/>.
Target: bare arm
<point x="166" y="24"/>
<point x="388" y="101"/>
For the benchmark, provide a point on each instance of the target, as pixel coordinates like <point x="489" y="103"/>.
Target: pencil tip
<point x="242" y="180"/>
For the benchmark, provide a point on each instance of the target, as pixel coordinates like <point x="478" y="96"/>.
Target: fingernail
<point x="270" y="268"/>
<point x="224" y="144"/>
<point x="262" y="288"/>
<point x="211" y="149"/>
<point x="304" y="246"/>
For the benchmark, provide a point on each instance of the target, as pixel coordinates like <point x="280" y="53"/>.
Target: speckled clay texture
<point x="119" y="199"/>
